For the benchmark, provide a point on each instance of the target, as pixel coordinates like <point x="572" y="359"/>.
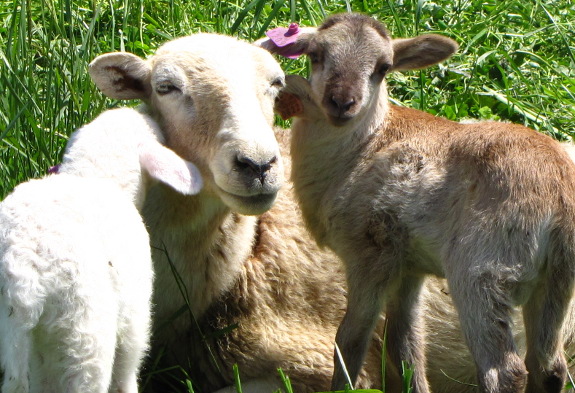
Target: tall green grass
<point x="516" y="61"/>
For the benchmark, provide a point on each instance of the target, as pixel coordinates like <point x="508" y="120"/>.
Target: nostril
<point x="268" y="165"/>
<point x="347" y="105"/>
<point x="245" y="163"/>
<point x="342" y="104"/>
<point x="259" y="169"/>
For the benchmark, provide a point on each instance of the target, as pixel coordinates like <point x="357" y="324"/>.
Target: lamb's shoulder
<point x="66" y="217"/>
<point x="68" y="234"/>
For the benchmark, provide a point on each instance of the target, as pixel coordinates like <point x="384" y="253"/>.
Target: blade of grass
<point x="286" y="381"/>
<point x="343" y="366"/>
<point x="237" y="381"/>
<point x="384" y="356"/>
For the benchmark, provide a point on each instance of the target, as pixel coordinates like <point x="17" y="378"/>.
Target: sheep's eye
<point x="383" y="69"/>
<point x="278" y="82"/>
<point x="166" y="88"/>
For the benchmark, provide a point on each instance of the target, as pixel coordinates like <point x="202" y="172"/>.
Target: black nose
<point x="258" y="169"/>
<point x="342" y="104"/>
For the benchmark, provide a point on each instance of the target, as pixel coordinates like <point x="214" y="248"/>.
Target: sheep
<point x="399" y="194"/>
<point x="75" y="263"/>
<point x="264" y="276"/>
<point x="263" y="294"/>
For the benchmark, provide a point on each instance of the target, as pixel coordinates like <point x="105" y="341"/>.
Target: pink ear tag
<point x="283" y="37"/>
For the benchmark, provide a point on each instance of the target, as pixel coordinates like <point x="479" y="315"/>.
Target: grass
<point x="516" y="61"/>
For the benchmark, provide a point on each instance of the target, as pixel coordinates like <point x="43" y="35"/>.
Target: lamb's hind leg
<point x="131" y="347"/>
<point x="544" y="315"/>
<point x="485" y="314"/>
<point x="15" y="345"/>
<point x="545" y="360"/>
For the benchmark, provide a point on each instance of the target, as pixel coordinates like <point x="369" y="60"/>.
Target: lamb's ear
<point x="166" y="166"/>
<point x="296" y="100"/>
<point x="121" y="75"/>
<point x="421" y="51"/>
<point x="292" y="47"/>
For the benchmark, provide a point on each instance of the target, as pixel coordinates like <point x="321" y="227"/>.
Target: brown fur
<point x="263" y="293"/>
<point x="399" y="194"/>
<point x="263" y="280"/>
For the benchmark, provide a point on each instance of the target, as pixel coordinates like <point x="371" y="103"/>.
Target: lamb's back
<point x="69" y="234"/>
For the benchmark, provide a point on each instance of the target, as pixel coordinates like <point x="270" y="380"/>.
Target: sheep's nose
<point x="343" y="104"/>
<point x="259" y="169"/>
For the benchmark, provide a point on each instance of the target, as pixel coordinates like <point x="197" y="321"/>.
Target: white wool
<point x="75" y="264"/>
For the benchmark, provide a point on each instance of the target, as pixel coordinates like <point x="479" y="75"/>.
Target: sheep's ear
<point x="421" y="51"/>
<point x="166" y="166"/>
<point x="292" y="47"/>
<point x="121" y="75"/>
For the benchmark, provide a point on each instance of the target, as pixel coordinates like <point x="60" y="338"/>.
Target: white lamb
<point x="75" y="265"/>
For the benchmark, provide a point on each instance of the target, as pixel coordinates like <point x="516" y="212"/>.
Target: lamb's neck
<point x="113" y="169"/>
<point x="324" y="157"/>
<point x="206" y="243"/>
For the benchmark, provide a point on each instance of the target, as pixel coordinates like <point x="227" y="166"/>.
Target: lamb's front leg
<point x="366" y="291"/>
<point x="363" y="307"/>
<point x="405" y="333"/>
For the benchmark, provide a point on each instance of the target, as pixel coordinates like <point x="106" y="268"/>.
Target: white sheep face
<point x="214" y="97"/>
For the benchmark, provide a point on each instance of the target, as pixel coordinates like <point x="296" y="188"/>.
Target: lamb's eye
<point x="314" y="57"/>
<point x="383" y="69"/>
<point x="164" y="88"/>
<point x="278" y="82"/>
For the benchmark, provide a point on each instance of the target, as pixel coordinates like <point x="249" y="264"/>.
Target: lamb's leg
<point x="485" y="314"/>
<point x="87" y="363"/>
<point x="544" y="314"/>
<point x="364" y="304"/>
<point x="130" y="350"/>
<point x="126" y="365"/>
<point x="15" y="347"/>
<point x="405" y="335"/>
<point x="370" y="278"/>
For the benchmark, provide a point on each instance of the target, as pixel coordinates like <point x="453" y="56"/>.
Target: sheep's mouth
<point x="249" y="205"/>
<point x="263" y="199"/>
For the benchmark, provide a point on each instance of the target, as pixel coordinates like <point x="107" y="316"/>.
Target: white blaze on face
<point x="246" y="135"/>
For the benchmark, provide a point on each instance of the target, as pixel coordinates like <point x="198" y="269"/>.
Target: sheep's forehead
<point x="350" y="39"/>
<point x="215" y="60"/>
